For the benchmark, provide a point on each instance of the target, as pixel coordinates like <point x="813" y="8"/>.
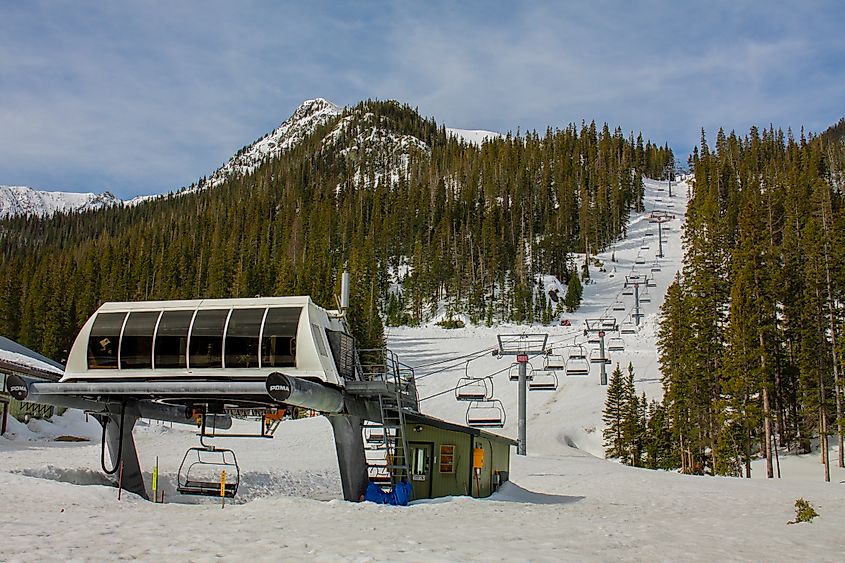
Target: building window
<point x="278" y="343"/>
<point x="103" y="340"/>
<point x="447" y="458"/>
<point x="136" y="344"/>
<point x="171" y="342"/>
<point x="343" y="350"/>
<point x="242" y="338"/>
<point x="206" y="342"/>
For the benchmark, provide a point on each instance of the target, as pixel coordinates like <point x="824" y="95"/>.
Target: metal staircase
<point x="385" y="441"/>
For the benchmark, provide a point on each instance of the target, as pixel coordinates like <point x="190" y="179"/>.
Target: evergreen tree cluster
<point x="636" y="431"/>
<point x="379" y="190"/>
<point x="750" y="338"/>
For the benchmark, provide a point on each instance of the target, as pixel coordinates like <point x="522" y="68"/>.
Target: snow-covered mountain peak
<point x="23" y="200"/>
<point x="356" y="131"/>
<point x="307" y="117"/>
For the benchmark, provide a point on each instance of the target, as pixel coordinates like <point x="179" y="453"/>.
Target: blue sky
<point x="146" y="97"/>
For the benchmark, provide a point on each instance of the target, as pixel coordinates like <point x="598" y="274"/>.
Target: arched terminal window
<point x="206" y="342"/>
<point x="171" y="350"/>
<point x="136" y="344"/>
<point x="278" y="343"/>
<point x="103" y="340"/>
<point x="242" y="336"/>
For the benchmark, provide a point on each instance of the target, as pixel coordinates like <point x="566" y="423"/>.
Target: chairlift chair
<point x="618" y="306"/>
<point x="628" y="327"/>
<point x="593" y="338"/>
<point x="201" y="472"/>
<point x="553" y="361"/>
<point x="644" y="245"/>
<point x="650" y="282"/>
<point x="486" y="414"/>
<point x="645" y="297"/>
<point x="616" y="344"/>
<point x="543" y="380"/>
<point x="576" y="362"/>
<point x="473" y="389"/>
<point x="649" y="234"/>
<point x="513" y="372"/>
<point x="628" y="290"/>
<point x="655" y="267"/>
<point x="639" y="260"/>
<point x="609" y="323"/>
<point x="577" y="366"/>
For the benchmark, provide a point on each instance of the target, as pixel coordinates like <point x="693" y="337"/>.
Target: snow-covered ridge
<point x="22" y="200"/>
<point x="371" y="135"/>
<point x="307" y="117"/>
<point x="472" y="136"/>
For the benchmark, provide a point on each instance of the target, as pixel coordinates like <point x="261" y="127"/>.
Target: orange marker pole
<point x="223" y="489"/>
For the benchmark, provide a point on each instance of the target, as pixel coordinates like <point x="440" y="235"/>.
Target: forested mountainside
<point x="376" y="188"/>
<point x="751" y="335"/>
<point x="835" y="132"/>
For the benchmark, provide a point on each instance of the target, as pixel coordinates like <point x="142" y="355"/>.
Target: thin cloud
<point x="148" y="97"/>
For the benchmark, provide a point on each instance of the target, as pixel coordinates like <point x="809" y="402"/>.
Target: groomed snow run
<point x="563" y="503"/>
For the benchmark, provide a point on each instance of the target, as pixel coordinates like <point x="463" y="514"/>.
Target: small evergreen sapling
<point x="804" y="512"/>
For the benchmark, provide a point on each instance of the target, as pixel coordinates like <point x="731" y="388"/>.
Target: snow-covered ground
<point x="563" y="502"/>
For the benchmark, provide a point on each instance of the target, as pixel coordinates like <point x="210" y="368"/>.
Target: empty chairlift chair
<point x="618" y="306"/>
<point x="474" y="389"/>
<point x="543" y="380"/>
<point x="655" y="267"/>
<point x="576" y="363"/>
<point x="644" y="295"/>
<point x="616" y="344"/>
<point x="202" y="472"/>
<point x="608" y="324"/>
<point x="554" y="361"/>
<point x="513" y="372"/>
<point x="628" y="327"/>
<point x="486" y="414"/>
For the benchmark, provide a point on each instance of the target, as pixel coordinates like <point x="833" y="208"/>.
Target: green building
<point x="448" y="459"/>
<point x="16" y="359"/>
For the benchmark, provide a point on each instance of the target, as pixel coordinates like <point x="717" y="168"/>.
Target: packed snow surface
<point x="563" y="502"/>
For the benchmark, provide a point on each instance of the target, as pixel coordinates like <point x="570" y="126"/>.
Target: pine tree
<point x="572" y="300"/>
<point x="614" y="416"/>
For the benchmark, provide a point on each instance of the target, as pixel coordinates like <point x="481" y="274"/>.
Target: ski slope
<point x="571" y="415"/>
<point x="563" y="503"/>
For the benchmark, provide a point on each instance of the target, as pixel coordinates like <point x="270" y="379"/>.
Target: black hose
<point x="119" y="444"/>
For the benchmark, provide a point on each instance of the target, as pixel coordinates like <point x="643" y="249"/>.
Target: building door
<point x="421" y="457"/>
<point x="4" y="415"/>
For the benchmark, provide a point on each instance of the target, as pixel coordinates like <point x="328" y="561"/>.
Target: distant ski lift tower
<point x="635" y="283"/>
<point x="601" y="327"/>
<point x="660" y="217"/>
<point x="522" y="346"/>
<point x="669" y="171"/>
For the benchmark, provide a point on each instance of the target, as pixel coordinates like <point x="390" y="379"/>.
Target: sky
<point x="146" y="97"/>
